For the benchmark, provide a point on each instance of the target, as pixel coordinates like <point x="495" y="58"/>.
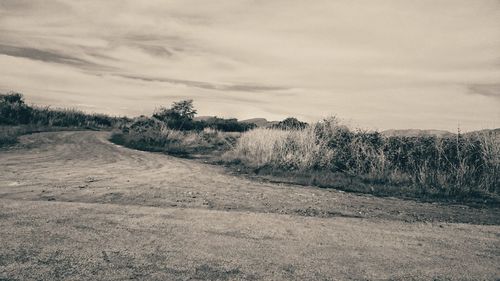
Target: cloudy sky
<point x="377" y="64"/>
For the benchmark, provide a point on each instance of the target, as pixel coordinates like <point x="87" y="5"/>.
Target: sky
<point x="386" y="64"/>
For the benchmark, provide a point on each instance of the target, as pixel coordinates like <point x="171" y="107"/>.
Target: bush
<point x="8" y="135"/>
<point x="225" y="125"/>
<point x="13" y="109"/>
<point x="463" y="165"/>
<point x="290" y="123"/>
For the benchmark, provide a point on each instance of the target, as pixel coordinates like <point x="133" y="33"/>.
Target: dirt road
<point x="75" y="207"/>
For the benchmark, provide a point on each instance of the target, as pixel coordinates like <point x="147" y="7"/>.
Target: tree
<point x="184" y="108"/>
<point x="13" y="110"/>
<point x="179" y="116"/>
<point x="13" y="97"/>
<point x="181" y="110"/>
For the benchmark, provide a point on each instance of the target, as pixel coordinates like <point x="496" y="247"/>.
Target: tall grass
<point x="14" y="111"/>
<point x="287" y="149"/>
<point x="9" y="134"/>
<point x="18" y="118"/>
<point x="460" y="165"/>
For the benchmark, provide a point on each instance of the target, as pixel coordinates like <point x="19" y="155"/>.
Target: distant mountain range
<point x="263" y="122"/>
<point x="415" y="133"/>
<point x="437" y="133"/>
<point x="260" y="122"/>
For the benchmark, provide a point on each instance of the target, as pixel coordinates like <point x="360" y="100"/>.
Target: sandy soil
<point x="73" y="206"/>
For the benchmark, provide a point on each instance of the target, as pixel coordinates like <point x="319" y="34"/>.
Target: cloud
<point x="209" y="86"/>
<point x="488" y="90"/>
<point x="155" y="50"/>
<point x="44" y="55"/>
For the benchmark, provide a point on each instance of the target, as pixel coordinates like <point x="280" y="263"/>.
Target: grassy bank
<point x="9" y="135"/>
<point x="150" y="134"/>
<point x="18" y="118"/>
<point x="330" y="155"/>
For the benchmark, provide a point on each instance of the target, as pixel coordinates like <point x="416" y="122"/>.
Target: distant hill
<point x="438" y="133"/>
<point x="415" y="133"/>
<point x="260" y="122"/>
<point x="494" y="131"/>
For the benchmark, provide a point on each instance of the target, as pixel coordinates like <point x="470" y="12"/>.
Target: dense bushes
<point x="180" y="117"/>
<point x="173" y="130"/>
<point x="225" y="125"/>
<point x="14" y="111"/>
<point x="151" y="134"/>
<point x="290" y="123"/>
<point x="462" y="165"/>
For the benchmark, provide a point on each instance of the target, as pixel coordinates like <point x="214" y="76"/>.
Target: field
<point x="75" y="206"/>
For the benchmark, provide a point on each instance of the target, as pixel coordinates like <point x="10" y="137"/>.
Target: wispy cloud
<point x="210" y="86"/>
<point x="488" y="90"/>
<point x="44" y="55"/>
<point x="155" y="50"/>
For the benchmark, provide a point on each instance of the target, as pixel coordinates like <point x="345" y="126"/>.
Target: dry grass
<point x="153" y="135"/>
<point x="460" y="166"/>
<point x="291" y="149"/>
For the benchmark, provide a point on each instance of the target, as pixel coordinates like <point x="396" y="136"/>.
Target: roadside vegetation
<point x="331" y="155"/>
<point x="326" y="153"/>
<point x="18" y="118"/>
<point x="173" y="130"/>
<point x="150" y="134"/>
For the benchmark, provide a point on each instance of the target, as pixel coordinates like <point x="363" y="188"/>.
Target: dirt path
<point x="74" y="206"/>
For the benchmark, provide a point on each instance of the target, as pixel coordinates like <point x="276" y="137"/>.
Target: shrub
<point x="13" y="109"/>
<point x="225" y="125"/>
<point x="290" y="123"/>
<point x="461" y="165"/>
<point x="8" y="135"/>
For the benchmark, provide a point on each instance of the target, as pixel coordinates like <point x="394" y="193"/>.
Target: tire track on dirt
<point x="86" y="167"/>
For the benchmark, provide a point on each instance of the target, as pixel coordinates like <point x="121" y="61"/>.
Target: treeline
<point x="180" y="116"/>
<point x="15" y="111"/>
